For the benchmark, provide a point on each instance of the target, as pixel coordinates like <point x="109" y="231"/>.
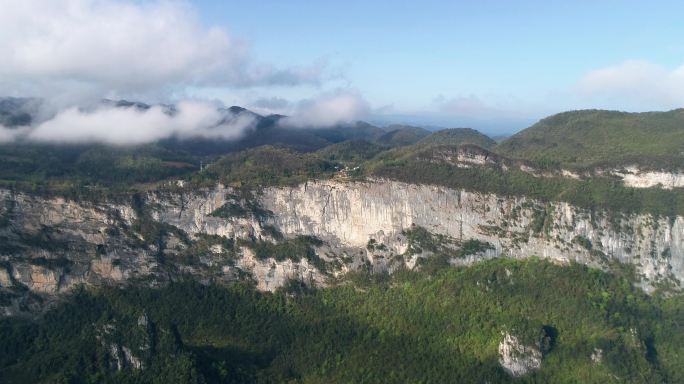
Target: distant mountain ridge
<point x="589" y="142"/>
<point x="266" y="131"/>
<point x="38" y="165"/>
<point x="459" y="136"/>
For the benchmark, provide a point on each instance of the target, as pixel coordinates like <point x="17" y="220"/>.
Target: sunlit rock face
<point x="51" y="245"/>
<point x="634" y="177"/>
<point x="516" y="358"/>
<point x="352" y="213"/>
<point x="271" y="274"/>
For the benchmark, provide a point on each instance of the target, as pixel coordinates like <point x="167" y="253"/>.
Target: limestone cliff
<point x="50" y="245"/>
<point x="347" y="215"/>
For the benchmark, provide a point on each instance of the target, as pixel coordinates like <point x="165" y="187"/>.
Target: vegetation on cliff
<point x="599" y="193"/>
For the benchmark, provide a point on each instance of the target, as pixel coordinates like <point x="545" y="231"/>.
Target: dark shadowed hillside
<point x="400" y="135"/>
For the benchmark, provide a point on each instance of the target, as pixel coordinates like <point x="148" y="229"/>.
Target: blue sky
<point x="523" y="59"/>
<point x="497" y="66"/>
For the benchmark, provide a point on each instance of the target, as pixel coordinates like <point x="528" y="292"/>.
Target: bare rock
<point x="516" y="358"/>
<point x="597" y="356"/>
<point x="5" y="278"/>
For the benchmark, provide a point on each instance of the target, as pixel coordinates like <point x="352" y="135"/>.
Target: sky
<point x="497" y="66"/>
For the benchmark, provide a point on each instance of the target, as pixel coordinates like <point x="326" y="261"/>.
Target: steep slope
<point x="311" y="233"/>
<point x="594" y="137"/>
<point x="458" y="136"/>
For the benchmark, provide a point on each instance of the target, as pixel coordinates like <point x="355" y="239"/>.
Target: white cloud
<point x="75" y="52"/>
<point x="327" y="110"/>
<point x="124" y="47"/>
<point x="636" y="82"/>
<point x="271" y="104"/>
<point x="123" y="126"/>
<point x="9" y="134"/>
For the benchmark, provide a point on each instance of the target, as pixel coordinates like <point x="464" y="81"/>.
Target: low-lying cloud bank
<point x="77" y="52"/>
<point x="327" y="110"/>
<point x="131" y="125"/>
<point x="8" y="135"/>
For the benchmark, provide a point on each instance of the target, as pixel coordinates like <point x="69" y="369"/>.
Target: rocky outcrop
<point x="516" y="358"/>
<point x="122" y="358"/>
<point x="597" y="356"/>
<point x="192" y="213"/>
<point x="105" y="267"/>
<point x="638" y="178"/>
<point x="41" y="279"/>
<point x="270" y="274"/>
<point x="463" y="156"/>
<point x="5" y="278"/>
<point x="126" y="357"/>
<point x="631" y="176"/>
<point x="351" y="214"/>
<point x="50" y="245"/>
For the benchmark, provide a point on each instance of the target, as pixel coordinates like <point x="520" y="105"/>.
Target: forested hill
<point x="595" y="137"/>
<point x="459" y="136"/>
